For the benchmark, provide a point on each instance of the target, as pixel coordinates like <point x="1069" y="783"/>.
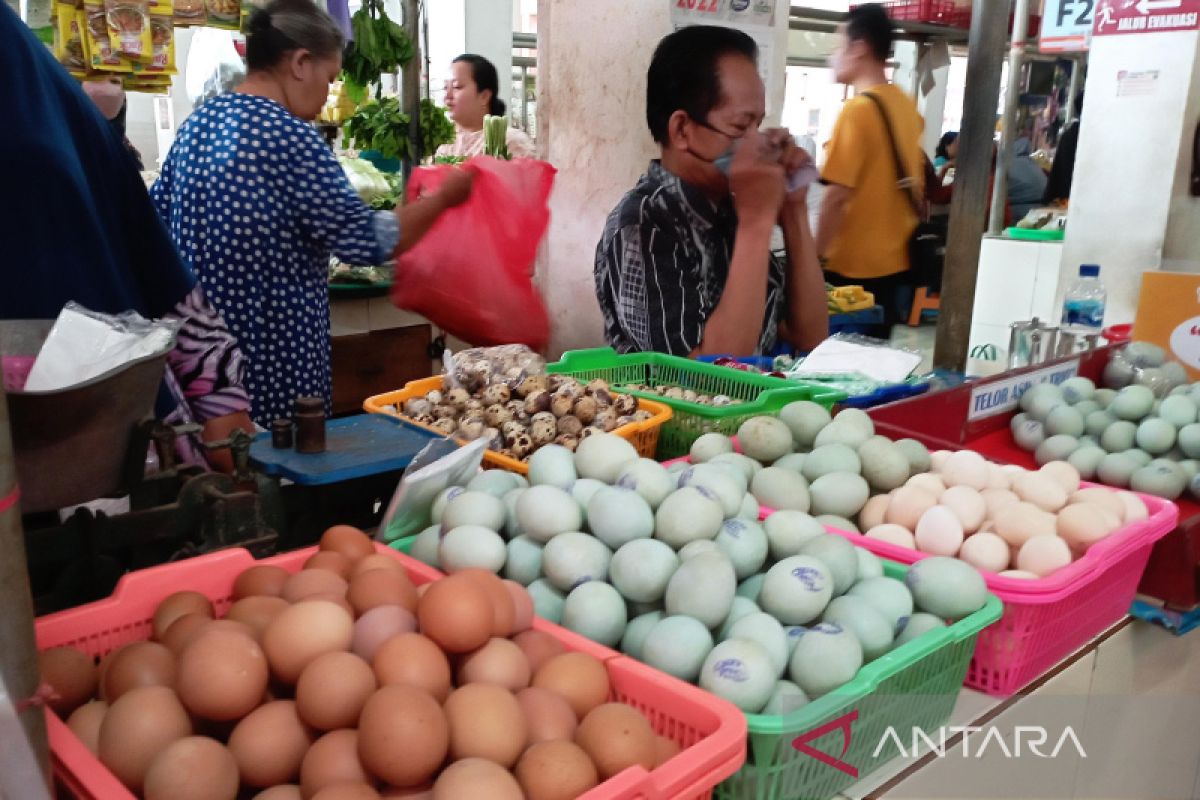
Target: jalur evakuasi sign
<point x="1115" y="17"/>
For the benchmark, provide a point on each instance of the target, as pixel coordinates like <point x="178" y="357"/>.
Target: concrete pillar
<point x="1130" y="210"/>
<point x="489" y="30"/>
<point x="592" y="61"/>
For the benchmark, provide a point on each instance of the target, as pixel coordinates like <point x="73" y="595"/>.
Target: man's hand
<point x="456" y="188"/>
<point x="756" y="180"/>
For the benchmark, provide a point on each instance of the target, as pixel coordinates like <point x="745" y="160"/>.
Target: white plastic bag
<point x="85" y="344"/>
<point x="440" y="465"/>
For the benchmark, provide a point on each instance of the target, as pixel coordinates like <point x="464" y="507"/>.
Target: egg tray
<point x="1047" y="619"/>
<point x="644" y="436"/>
<point x="711" y="732"/>
<point x="761" y="395"/>
<point x="915" y="685"/>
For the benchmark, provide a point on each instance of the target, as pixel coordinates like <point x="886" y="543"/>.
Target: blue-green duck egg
<point x="805" y="419"/>
<point x="946" y="587"/>
<point x="649" y="479"/>
<point x="750" y="587"/>
<point x="547" y="601"/>
<point x="677" y="645"/>
<point x="595" y="610"/>
<point x="1076" y="390"/>
<point x="1155" y="436"/>
<point x="890" y="597"/>
<point x="838" y="555"/>
<point x="703" y="587"/>
<point x="636" y="632"/>
<point x="1119" y="436"/>
<point x="918" y="624"/>
<point x="1064" y="420"/>
<point x="552" y="465"/>
<point x="779" y="488"/>
<point x="524" y="563"/>
<point x="796" y="590"/>
<point x="830" y="458"/>
<point x="1132" y="403"/>
<point x="618" y="516"/>
<point x="785" y="698"/>
<point x="425" y="546"/>
<point x="744" y="542"/>
<point x="741" y="672"/>
<point x="766" y="630"/>
<point x="708" y="446"/>
<point x="641" y="569"/>
<point x="688" y="515"/>
<point x="826" y="657"/>
<point x="868" y="625"/>
<point x="572" y="558"/>
<point x="787" y="531"/>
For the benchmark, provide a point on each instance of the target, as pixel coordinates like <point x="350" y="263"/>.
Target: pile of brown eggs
<point x="540" y="410"/>
<point x="344" y="681"/>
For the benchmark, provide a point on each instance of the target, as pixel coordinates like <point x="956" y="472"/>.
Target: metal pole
<point x="410" y="91"/>
<point x="968" y="207"/>
<point x="1073" y="88"/>
<point x="525" y="99"/>
<point x="425" y="47"/>
<point x="18" y="656"/>
<point x="1012" y="95"/>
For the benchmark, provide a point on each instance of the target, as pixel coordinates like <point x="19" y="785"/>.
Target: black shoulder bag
<point x="925" y="248"/>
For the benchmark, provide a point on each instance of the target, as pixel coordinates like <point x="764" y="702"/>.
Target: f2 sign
<point x="1067" y="26"/>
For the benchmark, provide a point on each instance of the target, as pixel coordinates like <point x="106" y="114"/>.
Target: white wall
<point x="489" y="29"/>
<point x="447" y="40"/>
<point x="1181" y="248"/>
<point x="1126" y="167"/>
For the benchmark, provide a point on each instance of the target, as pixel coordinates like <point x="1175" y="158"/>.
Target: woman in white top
<point x="472" y="93"/>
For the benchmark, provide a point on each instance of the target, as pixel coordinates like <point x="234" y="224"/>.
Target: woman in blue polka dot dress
<point x="256" y="202"/>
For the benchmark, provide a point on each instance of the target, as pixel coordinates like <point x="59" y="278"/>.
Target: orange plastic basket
<point x="642" y="435"/>
<point x="711" y="731"/>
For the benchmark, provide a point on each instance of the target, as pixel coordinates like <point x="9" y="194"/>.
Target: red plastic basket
<point x="1046" y="620"/>
<point x="711" y="731"/>
<point x="937" y="12"/>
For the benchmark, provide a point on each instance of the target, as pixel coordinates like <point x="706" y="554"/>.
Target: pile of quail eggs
<point x="517" y="421"/>
<point x="686" y="395"/>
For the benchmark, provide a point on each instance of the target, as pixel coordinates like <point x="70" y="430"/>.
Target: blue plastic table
<point x="355" y="447"/>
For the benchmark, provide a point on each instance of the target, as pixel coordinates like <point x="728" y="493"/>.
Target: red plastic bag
<point x="472" y="273"/>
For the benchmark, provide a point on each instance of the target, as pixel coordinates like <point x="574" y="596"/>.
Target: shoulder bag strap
<point x="903" y="181"/>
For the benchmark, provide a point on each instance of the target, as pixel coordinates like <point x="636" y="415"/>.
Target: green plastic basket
<point x="404" y="545"/>
<point x="762" y="395"/>
<point x="915" y="686"/>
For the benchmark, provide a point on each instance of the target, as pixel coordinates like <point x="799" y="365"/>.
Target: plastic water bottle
<point x="1083" y="306"/>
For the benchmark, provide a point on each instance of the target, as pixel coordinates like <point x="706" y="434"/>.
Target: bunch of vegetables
<point x="436" y="127"/>
<point x="380" y="125"/>
<point x="495" y="137"/>
<point x="379" y="46"/>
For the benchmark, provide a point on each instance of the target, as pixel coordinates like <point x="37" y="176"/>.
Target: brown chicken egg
<point x="500" y="662"/>
<point x="85" y="722"/>
<point x="337" y="599"/>
<point x="71" y="673"/>
<point x="255" y="612"/>
<point x="501" y="602"/>
<point x="456" y="613"/>
<point x="486" y="721"/>
<point x="423" y="792"/>
<point x="557" y="770"/>
<point x="616" y="737"/>
<point x="333" y="689"/>
<point x="377" y="561"/>
<point x="265" y="579"/>
<point x="539" y="647"/>
<point x="270" y="743"/>
<point x="331" y="760"/>
<point x="285" y="791"/>
<point x="522" y="606"/>
<point x="403" y="719"/>
<point x="664" y="750"/>
<point x="302" y="632"/>
<point x="378" y="625"/>
<point x="347" y="791"/>
<point x="182" y="631"/>
<point x="411" y="659"/>
<point x="381" y="587"/>
<point x="139" y="726"/>
<point x="175" y="606"/>
<point x="578" y="678"/>
<point x="136" y="665"/>
<point x="308" y="582"/>
<point x="549" y="716"/>
<point x="332" y="562"/>
<point x="222" y="675"/>
<point x="476" y="778"/>
<point x="347" y="540"/>
<point x="192" y="768"/>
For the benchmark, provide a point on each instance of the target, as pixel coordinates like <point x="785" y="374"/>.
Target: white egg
<point x="929" y="482"/>
<point x="873" y="512"/>
<point x="966" y="468"/>
<point x="805" y="419"/>
<point x="907" y="505"/>
<point x="1062" y="473"/>
<point x="617" y="516"/>
<point x="474" y="508"/>
<point x="641" y="569"/>
<point x="1081" y="525"/>
<point x="595" y="610"/>
<point x="1018" y="573"/>
<point x="750" y="509"/>
<point x="985" y="551"/>
<point x="470" y="546"/>
<point x="938" y="458"/>
<point x="968" y="506"/>
<point x="677" y="645"/>
<point x="688" y="515"/>
<point x="841" y="493"/>
<point x="833" y="522"/>
<point x="1046" y="494"/>
<point x="603" y="456"/>
<point x="543" y="512"/>
<point x="1022" y="521"/>
<point x="583" y="490"/>
<point x="997" y="500"/>
<point x="572" y="558"/>
<point x="868" y="625"/>
<point x="649" y="479"/>
<point x="1043" y="555"/>
<point x="893" y="534"/>
<point x="1135" y="509"/>
<point x="998" y="478"/>
<point x="939" y="532"/>
<point x="750" y="587"/>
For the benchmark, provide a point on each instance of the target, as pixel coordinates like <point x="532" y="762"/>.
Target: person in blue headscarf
<point x="77" y="224"/>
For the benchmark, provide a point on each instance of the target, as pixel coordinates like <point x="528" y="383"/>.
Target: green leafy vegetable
<point x="379" y="46"/>
<point x="380" y="125"/>
<point x="495" y="136"/>
<point x="436" y="127"/>
<point x="453" y="160"/>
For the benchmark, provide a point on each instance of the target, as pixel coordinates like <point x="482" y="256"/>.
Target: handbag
<point x="926" y="250"/>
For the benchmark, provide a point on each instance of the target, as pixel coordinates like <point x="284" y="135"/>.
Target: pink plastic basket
<point x="711" y="731"/>
<point x="1046" y="620"/>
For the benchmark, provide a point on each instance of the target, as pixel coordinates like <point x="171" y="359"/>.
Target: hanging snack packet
<point x="190" y="12"/>
<point x="102" y="55"/>
<point x="129" y="28"/>
<point x="68" y="37"/>
<point x="225" y="14"/>
<point x="162" y="39"/>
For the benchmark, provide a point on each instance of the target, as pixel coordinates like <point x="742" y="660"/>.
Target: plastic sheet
<point x="440" y="465"/>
